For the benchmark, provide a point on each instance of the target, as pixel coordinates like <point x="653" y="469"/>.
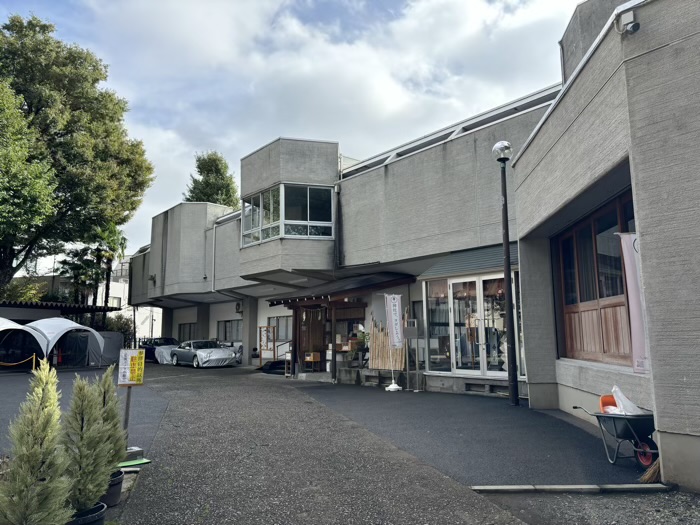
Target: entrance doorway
<point x="474" y="325"/>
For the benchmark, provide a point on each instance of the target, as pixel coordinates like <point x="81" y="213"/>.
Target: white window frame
<point x="282" y="221"/>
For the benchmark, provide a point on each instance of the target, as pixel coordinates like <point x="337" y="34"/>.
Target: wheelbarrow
<point x="635" y="429"/>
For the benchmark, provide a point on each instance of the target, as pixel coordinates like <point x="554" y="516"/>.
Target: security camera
<point x="632" y="28"/>
<point x="627" y="24"/>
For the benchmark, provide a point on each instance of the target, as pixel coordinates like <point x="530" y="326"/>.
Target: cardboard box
<point x="312" y="356"/>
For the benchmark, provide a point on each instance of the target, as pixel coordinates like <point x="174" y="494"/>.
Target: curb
<point x="579" y="489"/>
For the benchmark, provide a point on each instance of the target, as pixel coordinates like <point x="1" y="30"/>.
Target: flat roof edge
<point x="293" y="139"/>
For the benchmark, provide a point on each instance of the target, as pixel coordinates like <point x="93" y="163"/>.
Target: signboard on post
<point x="131" y="365"/>
<point x="394" y="323"/>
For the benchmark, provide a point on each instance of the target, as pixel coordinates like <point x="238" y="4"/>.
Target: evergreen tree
<point x="35" y="488"/>
<point x="115" y="435"/>
<point x="215" y="183"/>
<point x="87" y="452"/>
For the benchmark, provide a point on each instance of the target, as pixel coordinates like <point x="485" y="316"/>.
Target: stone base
<point x="680" y="459"/>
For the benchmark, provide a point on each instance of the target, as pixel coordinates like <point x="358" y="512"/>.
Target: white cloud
<point x="233" y="75"/>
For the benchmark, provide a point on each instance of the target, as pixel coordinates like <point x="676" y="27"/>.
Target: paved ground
<point x="479" y="440"/>
<point x="148" y="406"/>
<point x="235" y="446"/>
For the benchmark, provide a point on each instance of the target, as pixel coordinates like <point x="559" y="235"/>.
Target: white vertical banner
<point x="630" y="256"/>
<point x="394" y="324"/>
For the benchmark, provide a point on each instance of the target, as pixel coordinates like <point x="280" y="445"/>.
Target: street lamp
<point x="503" y="152"/>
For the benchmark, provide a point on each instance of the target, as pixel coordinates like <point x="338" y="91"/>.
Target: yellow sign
<point x="131" y="365"/>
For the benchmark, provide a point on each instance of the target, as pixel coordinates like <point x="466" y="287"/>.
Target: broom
<point x="653" y="473"/>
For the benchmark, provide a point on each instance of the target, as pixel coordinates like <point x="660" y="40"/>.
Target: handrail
<point x="32" y="359"/>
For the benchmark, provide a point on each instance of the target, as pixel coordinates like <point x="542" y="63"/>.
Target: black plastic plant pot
<point x="93" y="516"/>
<point x="114" y="492"/>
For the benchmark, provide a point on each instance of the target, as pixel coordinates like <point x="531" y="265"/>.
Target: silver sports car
<point x="203" y="353"/>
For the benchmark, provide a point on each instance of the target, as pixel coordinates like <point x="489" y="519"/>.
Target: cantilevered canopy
<point x="6" y="324"/>
<point x="55" y="327"/>
<point x="350" y="287"/>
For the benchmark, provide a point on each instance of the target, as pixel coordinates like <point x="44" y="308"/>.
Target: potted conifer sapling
<point x="115" y="436"/>
<point x="88" y="454"/>
<point x="34" y="488"/>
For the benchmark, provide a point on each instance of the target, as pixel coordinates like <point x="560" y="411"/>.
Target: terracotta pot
<point x="93" y="516"/>
<point x="114" y="492"/>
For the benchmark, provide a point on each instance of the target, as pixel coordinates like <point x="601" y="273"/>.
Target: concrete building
<point x="320" y="238"/>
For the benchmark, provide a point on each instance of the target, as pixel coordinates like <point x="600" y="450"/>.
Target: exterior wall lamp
<point x="503" y="152"/>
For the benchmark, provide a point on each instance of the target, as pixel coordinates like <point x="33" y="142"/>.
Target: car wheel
<point x="174" y="360"/>
<point x="195" y="362"/>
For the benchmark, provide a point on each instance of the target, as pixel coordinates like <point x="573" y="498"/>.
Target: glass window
<point x="465" y="310"/>
<point x="187" y="331"/>
<point x="272" y="231"/>
<point x="438" y="326"/>
<point x="609" y="257"/>
<point x="417" y="307"/>
<point x="320" y="231"/>
<point x="296" y="229"/>
<point x="586" y="264"/>
<point x="296" y="203"/>
<point x="255" y="213"/>
<point x="320" y="205"/>
<point x="115" y="302"/>
<point x="569" y="270"/>
<point x="229" y="331"/>
<point x="283" y="327"/>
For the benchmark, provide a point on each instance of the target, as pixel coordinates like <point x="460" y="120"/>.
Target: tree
<point x="113" y="244"/>
<point x="214" y="182"/>
<point x="25" y="289"/>
<point x="99" y="175"/>
<point x="35" y="489"/>
<point x="26" y="183"/>
<point x="86" y="449"/>
<point x="122" y="324"/>
<point x="115" y="435"/>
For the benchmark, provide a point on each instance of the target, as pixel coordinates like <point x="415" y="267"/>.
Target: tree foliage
<point x="86" y="447"/>
<point x="25" y="289"/>
<point x="115" y="436"/>
<point x="99" y="174"/>
<point x="35" y="488"/>
<point x="122" y="324"/>
<point x="213" y="183"/>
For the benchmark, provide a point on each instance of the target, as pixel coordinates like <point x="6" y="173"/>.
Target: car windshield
<point x="202" y="345"/>
<point x="163" y="341"/>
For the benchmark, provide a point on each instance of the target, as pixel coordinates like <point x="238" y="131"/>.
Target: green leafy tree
<point x="26" y="289"/>
<point x="122" y="324"/>
<point x="213" y="183"/>
<point x="26" y="183"/>
<point x="113" y="245"/>
<point x="115" y="436"/>
<point x="99" y="174"/>
<point x="35" y="487"/>
<point x="84" y="442"/>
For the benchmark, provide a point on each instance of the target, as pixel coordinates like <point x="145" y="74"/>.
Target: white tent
<point x="6" y="324"/>
<point x="55" y="327"/>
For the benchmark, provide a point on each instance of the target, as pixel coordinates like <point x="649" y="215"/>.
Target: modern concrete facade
<point x="611" y="145"/>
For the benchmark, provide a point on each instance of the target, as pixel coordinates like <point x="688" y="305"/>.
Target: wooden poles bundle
<point x="382" y="356"/>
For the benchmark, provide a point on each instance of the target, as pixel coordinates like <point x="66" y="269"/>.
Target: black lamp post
<point x="503" y="151"/>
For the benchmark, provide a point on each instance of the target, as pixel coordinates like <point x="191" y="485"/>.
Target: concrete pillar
<point x="250" y="327"/>
<point x="539" y="326"/>
<point x="203" y="322"/>
<point x="166" y="323"/>
<point x="664" y="111"/>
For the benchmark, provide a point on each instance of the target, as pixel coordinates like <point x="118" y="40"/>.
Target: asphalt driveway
<point x="479" y="440"/>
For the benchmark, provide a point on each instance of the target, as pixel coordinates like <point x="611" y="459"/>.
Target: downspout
<point x="338" y="245"/>
<point x="213" y="258"/>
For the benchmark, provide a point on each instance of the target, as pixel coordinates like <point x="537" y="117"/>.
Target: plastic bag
<point x="625" y="405"/>
<point x="612" y="410"/>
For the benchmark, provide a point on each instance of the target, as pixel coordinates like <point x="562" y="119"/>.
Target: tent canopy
<point x="55" y="327"/>
<point x="6" y="324"/>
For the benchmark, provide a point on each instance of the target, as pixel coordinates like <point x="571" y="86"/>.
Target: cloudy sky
<point x="232" y="75"/>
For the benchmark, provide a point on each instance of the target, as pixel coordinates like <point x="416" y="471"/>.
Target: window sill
<point x="298" y="237"/>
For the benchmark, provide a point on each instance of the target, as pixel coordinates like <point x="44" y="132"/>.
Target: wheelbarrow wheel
<point x="645" y="456"/>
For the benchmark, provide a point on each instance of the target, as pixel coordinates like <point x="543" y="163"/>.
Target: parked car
<point x="203" y="353"/>
<point x="158" y="348"/>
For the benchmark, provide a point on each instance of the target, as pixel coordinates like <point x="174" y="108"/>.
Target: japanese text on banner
<point x="131" y="365"/>
<point x="393" y="319"/>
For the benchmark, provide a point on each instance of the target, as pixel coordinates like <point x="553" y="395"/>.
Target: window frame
<point x="283" y="222"/>
<point x="288" y="328"/>
<point x="228" y="329"/>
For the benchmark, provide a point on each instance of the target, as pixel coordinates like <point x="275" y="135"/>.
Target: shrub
<point x="87" y="451"/>
<point x="35" y="488"/>
<point x="115" y="435"/>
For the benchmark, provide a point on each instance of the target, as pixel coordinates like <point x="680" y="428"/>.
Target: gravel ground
<point x="674" y="508"/>
<point x="237" y="447"/>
